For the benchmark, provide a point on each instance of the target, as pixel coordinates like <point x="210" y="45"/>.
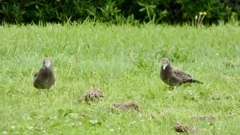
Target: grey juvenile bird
<point x="44" y="78"/>
<point x="174" y="76"/>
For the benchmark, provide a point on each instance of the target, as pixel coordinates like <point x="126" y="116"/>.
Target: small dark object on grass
<point x="92" y="94"/>
<point x="174" y="76"/>
<point x="179" y="127"/>
<point x="44" y="78"/>
<point x="126" y="107"/>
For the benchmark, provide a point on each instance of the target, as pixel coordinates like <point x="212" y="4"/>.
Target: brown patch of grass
<point x="217" y="97"/>
<point x="152" y="117"/>
<point x="126" y="107"/>
<point x="232" y="64"/>
<point x="229" y="78"/>
<point x="92" y="94"/>
<point x="203" y="118"/>
<point x="195" y="130"/>
<point x="180" y="128"/>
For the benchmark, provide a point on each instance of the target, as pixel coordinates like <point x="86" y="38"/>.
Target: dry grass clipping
<point x="126" y="107"/>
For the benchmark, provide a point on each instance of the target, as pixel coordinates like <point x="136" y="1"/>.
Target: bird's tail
<point x="192" y="81"/>
<point x="196" y="81"/>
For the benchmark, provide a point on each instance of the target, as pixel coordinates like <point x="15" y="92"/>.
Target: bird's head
<point x="165" y="63"/>
<point x="46" y="63"/>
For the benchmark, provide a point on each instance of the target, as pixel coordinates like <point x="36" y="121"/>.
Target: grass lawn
<point x="124" y="63"/>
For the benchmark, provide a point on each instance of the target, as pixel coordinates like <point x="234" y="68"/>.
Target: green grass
<point x="124" y="62"/>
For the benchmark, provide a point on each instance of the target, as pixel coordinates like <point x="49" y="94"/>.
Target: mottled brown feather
<point x="44" y="78"/>
<point x="174" y="76"/>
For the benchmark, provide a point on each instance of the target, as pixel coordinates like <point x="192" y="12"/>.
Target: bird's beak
<point x="164" y="66"/>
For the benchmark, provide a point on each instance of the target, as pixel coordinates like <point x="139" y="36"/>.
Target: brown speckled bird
<point x="44" y="78"/>
<point x="174" y="76"/>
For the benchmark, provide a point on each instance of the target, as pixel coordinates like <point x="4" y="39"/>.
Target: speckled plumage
<point x="44" y="78"/>
<point x="174" y="76"/>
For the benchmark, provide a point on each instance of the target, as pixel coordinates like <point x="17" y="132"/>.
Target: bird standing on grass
<point x="44" y="78"/>
<point x="174" y="76"/>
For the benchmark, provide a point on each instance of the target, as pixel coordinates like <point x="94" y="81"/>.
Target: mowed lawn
<point x="123" y="62"/>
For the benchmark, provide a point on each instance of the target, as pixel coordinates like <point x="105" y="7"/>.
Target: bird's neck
<point x="167" y="68"/>
<point x="46" y="71"/>
<point x="44" y="67"/>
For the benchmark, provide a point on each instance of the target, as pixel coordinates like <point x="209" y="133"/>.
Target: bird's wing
<point x="180" y="75"/>
<point x="36" y="74"/>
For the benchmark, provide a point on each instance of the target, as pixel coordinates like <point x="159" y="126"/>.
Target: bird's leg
<point x="41" y="92"/>
<point x="47" y="92"/>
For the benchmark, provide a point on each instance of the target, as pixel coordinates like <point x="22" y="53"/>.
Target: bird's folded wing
<point x="181" y="75"/>
<point x="36" y="74"/>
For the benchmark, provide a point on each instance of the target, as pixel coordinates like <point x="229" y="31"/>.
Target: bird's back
<point x="183" y="77"/>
